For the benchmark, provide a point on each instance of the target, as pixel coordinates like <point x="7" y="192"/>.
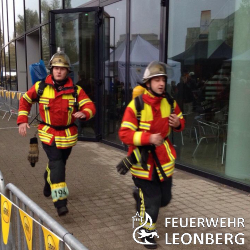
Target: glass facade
<point x="207" y="48"/>
<point x="114" y="75"/>
<point x="19" y="18"/>
<point x="211" y="49"/>
<point x="31" y="13"/>
<point x="46" y="6"/>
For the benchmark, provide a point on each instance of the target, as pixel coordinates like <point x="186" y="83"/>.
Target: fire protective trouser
<point x="153" y="195"/>
<point x="56" y="173"/>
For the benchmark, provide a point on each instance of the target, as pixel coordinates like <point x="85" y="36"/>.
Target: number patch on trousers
<point x="59" y="191"/>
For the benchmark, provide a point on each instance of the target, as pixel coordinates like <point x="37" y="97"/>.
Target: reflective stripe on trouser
<point x="153" y="195"/>
<point x="56" y="173"/>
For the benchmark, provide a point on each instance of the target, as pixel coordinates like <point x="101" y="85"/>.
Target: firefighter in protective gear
<point x="60" y="104"/>
<point x="148" y="140"/>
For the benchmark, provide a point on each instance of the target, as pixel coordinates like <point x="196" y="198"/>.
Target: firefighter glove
<point x="125" y="164"/>
<point x="33" y="152"/>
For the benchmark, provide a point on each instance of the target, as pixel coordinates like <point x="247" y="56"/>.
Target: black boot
<point x="153" y="244"/>
<point x="62" y="211"/>
<point x="46" y="189"/>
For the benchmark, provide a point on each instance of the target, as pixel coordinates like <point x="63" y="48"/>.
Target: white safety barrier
<point x="24" y="225"/>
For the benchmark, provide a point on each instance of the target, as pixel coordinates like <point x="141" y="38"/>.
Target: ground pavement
<point x="101" y="204"/>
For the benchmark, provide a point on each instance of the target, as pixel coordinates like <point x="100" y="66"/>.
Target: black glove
<point x="33" y="152"/>
<point x="125" y="164"/>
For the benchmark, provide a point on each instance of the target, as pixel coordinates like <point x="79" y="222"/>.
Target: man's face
<point x="158" y="84"/>
<point x="59" y="73"/>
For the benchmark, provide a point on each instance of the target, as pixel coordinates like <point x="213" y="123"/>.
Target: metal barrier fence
<point x="30" y="227"/>
<point x="9" y="101"/>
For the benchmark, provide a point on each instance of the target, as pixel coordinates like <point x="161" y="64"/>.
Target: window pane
<point x="46" y="6"/>
<point x="19" y="17"/>
<point x="6" y="40"/>
<point x="45" y="44"/>
<point x="13" y="77"/>
<point x="7" y="67"/>
<point x="145" y="37"/>
<point x="11" y="19"/>
<point x="74" y="3"/>
<point x="115" y="51"/>
<point x="31" y="13"/>
<point x="211" y="51"/>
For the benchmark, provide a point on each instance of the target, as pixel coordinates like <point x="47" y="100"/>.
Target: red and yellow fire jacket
<point x="56" y="109"/>
<point x="154" y="119"/>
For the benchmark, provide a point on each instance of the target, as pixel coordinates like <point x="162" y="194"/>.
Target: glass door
<point x="77" y="32"/>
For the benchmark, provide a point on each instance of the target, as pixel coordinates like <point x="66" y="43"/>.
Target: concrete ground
<point x="101" y="204"/>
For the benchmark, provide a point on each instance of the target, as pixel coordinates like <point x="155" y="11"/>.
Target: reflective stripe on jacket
<point x="154" y="119"/>
<point x="56" y="109"/>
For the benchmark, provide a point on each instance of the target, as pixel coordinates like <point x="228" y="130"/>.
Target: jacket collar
<point x="68" y="87"/>
<point x="150" y="98"/>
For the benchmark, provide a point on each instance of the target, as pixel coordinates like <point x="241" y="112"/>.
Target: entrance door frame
<point x="98" y="59"/>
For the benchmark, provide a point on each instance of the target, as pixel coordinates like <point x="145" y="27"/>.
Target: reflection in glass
<point x="13" y="76"/>
<point x="31" y="13"/>
<point x="206" y="45"/>
<point x="75" y="33"/>
<point x="19" y="18"/>
<point x="145" y="35"/>
<point x="74" y="3"/>
<point x="7" y="67"/>
<point x="46" y="6"/>
<point x="11" y="19"/>
<point x="3" y="72"/>
<point x="5" y="22"/>
<point x="115" y="50"/>
<point x="45" y="44"/>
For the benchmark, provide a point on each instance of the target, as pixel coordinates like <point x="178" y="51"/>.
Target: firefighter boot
<point x="62" y="211"/>
<point x="46" y="189"/>
<point x="152" y="243"/>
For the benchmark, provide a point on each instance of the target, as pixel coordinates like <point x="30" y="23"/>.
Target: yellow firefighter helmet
<point x="59" y="59"/>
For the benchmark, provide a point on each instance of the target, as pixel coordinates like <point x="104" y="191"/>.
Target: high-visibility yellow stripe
<point x="48" y="175"/>
<point x="44" y="100"/>
<point x="145" y="126"/>
<point x="139" y="173"/>
<point x="26" y="97"/>
<point x="165" y="108"/>
<point x="67" y="131"/>
<point x="137" y="138"/>
<point x="171" y="157"/>
<point x="44" y="139"/>
<point x="66" y="144"/>
<point x="168" y="166"/>
<point x="180" y="115"/>
<point x="45" y="128"/>
<point x="23" y="113"/>
<point x="90" y="112"/>
<point x="142" y="206"/>
<point x="137" y="154"/>
<point x="130" y="125"/>
<point x="150" y="228"/>
<point x="70" y="110"/>
<point x="46" y="114"/>
<point x="44" y="133"/>
<point x="71" y="102"/>
<point x="82" y="102"/>
<point x="68" y="138"/>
